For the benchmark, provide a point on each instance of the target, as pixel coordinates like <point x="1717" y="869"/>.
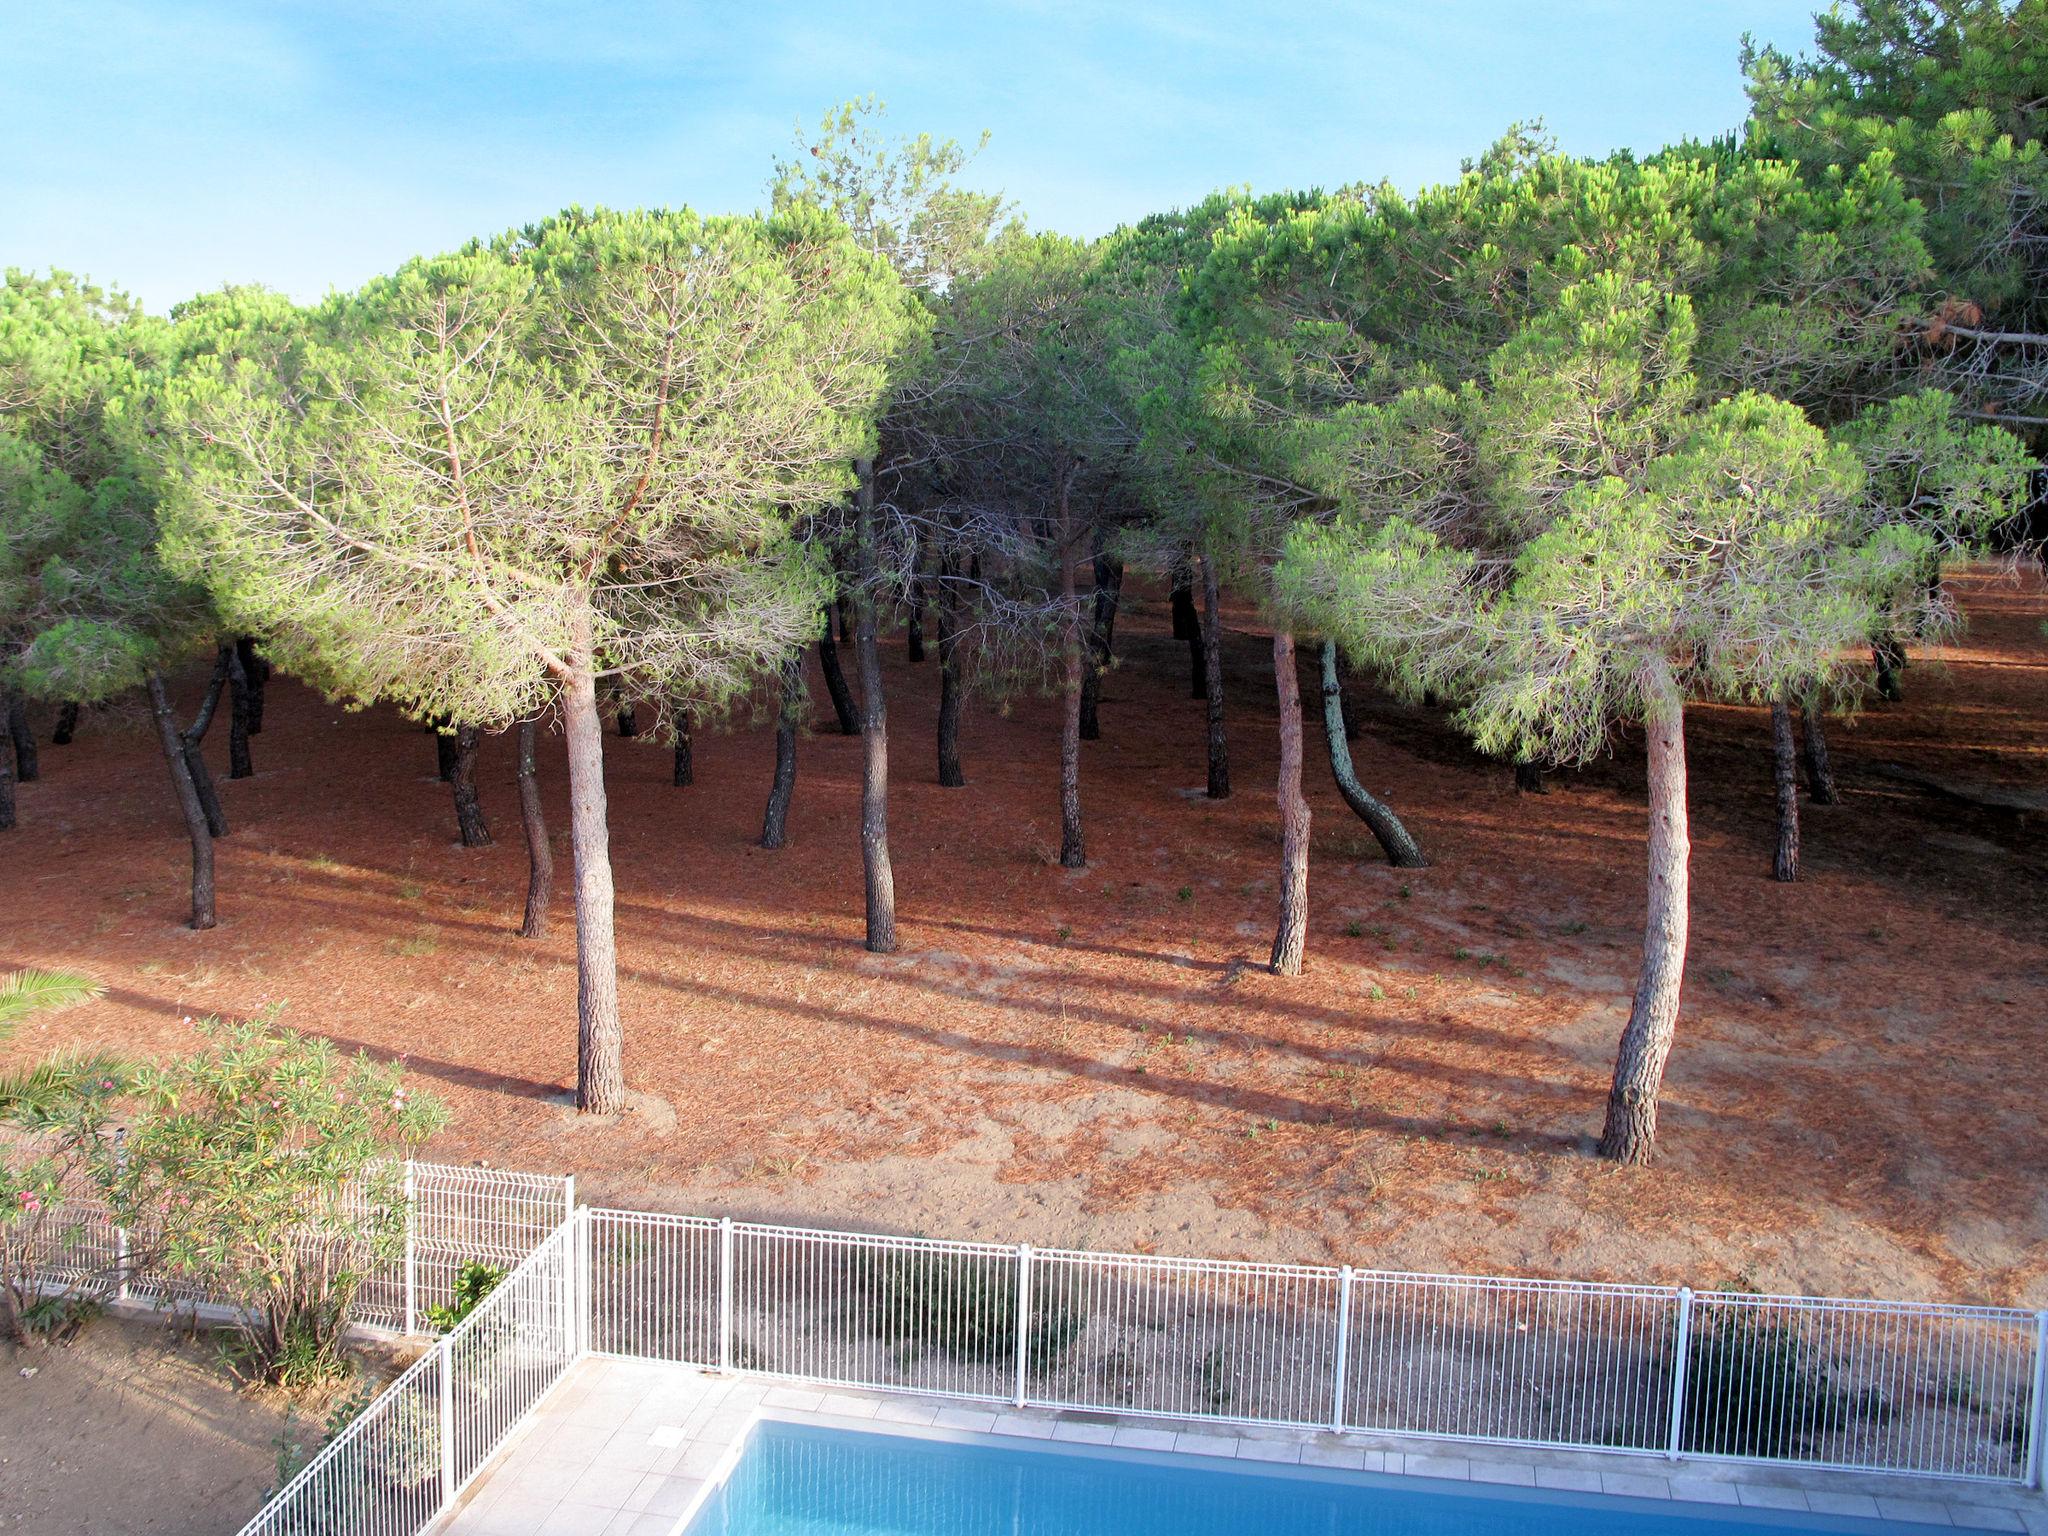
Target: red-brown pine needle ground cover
<point x="1098" y="1058"/>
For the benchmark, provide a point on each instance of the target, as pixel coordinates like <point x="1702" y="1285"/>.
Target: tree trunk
<point x="469" y="815"/>
<point x="67" y="724"/>
<point x="775" y="824"/>
<point x="1073" y="851"/>
<point x="1529" y="778"/>
<point x="600" y="1039"/>
<point x="1630" y="1135"/>
<point x="1785" y="769"/>
<point x="1188" y="627"/>
<point x="540" y="858"/>
<point x="239" y="764"/>
<point x="1401" y="849"/>
<point x="1292" y="936"/>
<point x="257" y="671"/>
<point x="835" y="681"/>
<point x="24" y="739"/>
<point x="1820" y="772"/>
<point x="177" y="759"/>
<point x="628" y="719"/>
<point x="950" y="775"/>
<point x="913" y="628"/>
<point x="6" y="785"/>
<point x="1109" y="582"/>
<point x="879" y="877"/>
<point x="1211" y="627"/>
<point x="686" y="762"/>
<point x="1889" y="659"/>
<point x="444" y="748"/>
<point x="195" y="734"/>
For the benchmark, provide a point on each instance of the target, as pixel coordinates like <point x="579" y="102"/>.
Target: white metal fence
<point x="1942" y="1391"/>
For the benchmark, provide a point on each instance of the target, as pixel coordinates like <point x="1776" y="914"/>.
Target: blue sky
<point x="172" y="146"/>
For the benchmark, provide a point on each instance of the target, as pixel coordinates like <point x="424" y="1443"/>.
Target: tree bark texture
<point x="1785" y="771"/>
<point x="1109" y="583"/>
<point x="239" y="764"/>
<point x="600" y="1038"/>
<point x="444" y="748"/>
<point x="469" y="814"/>
<point x="1291" y="938"/>
<point x="1187" y="627"/>
<point x="540" y="858"/>
<point x="67" y="723"/>
<point x="878" y="876"/>
<point x="950" y="774"/>
<point x="194" y="735"/>
<point x="1820" y="771"/>
<point x="24" y="739"/>
<point x="6" y="785"/>
<point x="775" y="823"/>
<point x="177" y="759"/>
<point x="835" y="681"/>
<point x="686" y="761"/>
<point x="1211" y="627"/>
<point x="1073" y="850"/>
<point x="1401" y="849"/>
<point x="628" y="719"/>
<point x="1630" y="1134"/>
<point x="257" y="671"/>
<point x="1888" y="657"/>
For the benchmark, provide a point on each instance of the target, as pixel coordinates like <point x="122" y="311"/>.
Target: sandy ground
<point x="131" y="1430"/>
<point x="1096" y="1058"/>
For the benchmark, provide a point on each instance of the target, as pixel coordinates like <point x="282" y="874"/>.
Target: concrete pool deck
<point x="631" y="1447"/>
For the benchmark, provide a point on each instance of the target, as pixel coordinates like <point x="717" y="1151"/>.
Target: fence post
<point x="1678" y="1371"/>
<point x="446" y="1373"/>
<point x="411" y="1254"/>
<point x="572" y="1292"/>
<point x="579" y="1249"/>
<point x="2039" y="1430"/>
<point x="1023" y="1317"/>
<point x="725" y="1293"/>
<point x="1343" y="1349"/>
<point x="121" y="1252"/>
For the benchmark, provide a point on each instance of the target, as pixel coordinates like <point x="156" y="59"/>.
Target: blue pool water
<point x="797" y="1480"/>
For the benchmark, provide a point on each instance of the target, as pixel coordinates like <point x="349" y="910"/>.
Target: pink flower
<point x="31" y="1201"/>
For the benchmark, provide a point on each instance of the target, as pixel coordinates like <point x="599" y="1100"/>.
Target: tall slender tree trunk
<point x="239" y="764"/>
<point x="1291" y="938"/>
<point x="67" y="723"/>
<point x="1187" y="627"/>
<point x="1785" y="771"/>
<point x="1109" y="582"/>
<point x="878" y="876"/>
<point x="1820" y="772"/>
<point x="775" y="822"/>
<point x="913" y="626"/>
<point x="1529" y="777"/>
<point x="835" y="681"/>
<point x="600" y="1038"/>
<point x="628" y="719"/>
<point x="1630" y="1134"/>
<point x="444" y="747"/>
<point x="1073" y="850"/>
<point x="950" y="775"/>
<point x="1211" y="627"/>
<point x="1401" y="849"/>
<point x="540" y="858"/>
<point x="24" y="740"/>
<point x="6" y="785"/>
<point x="177" y="759"/>
<point x="1888" y="657"/>
<point x="469" y="814"/>
<point x="257" y="671"/>
<point x="195" y="734"/>
<point x="686" y="759"/>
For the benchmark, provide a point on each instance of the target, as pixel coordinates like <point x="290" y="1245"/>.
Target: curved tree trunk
<point x="950" y="775"/>
<point x="1785" y="770"/>
<point x="1402" y="851"/>
<point x="835" y="681"/>
<point x="1820" y="772"/>
<point x="775" y="824"/>
<point x="540" y="858"/>
<point x="1187" y="626"/>
<point x="1211" y="628"/>
<point x="1291" y="938"/>
<point x="1073" y="850"/>
<point x="686" y="761"/>
<point x="24" y="740"/>
<point x="1529" y="778"/>
<point x="67" y="724"/>
<point x="239" y="764"/>
<point x="1630" y="1134"/>
<point x="194" y="734"/>
<point x="177" y="759"/>
<point x="600" y="1038"/>
<point x="878" y="876"/>
<point x="469" y="815"/>
<point x="257" y="671"/>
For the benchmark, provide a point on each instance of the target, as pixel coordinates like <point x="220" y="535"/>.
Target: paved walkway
<point x="629" y="1448"/>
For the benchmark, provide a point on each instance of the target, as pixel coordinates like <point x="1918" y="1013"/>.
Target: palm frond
<point x="30" y="1096"/>
<point x="34" y="991"/>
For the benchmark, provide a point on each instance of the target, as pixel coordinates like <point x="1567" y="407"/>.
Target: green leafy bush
<point x="473" y="1282"/>
<point x="962" y="1303"/>
<point x="1754" y="1388"/>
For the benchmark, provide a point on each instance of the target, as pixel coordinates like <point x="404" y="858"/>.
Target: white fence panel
<point x="654" y="1291"/>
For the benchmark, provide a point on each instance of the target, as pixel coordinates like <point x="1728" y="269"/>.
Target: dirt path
<point x="1095" y="1058"/>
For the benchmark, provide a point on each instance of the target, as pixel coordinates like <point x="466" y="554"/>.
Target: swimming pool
<point x="805" y="1480"/>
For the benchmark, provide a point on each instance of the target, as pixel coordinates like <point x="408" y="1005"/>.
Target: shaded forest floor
<point x="1096" y="1058"/>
